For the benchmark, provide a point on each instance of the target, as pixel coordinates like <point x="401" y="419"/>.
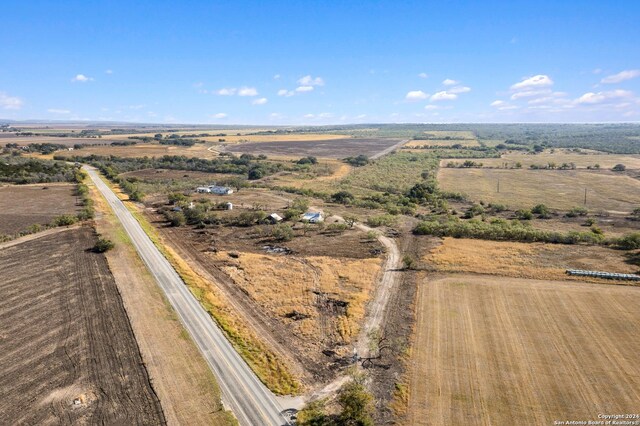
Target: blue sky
<point x="297" y="62"/>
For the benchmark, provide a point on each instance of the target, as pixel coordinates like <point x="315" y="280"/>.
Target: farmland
<point x="26" y="205"/>
<point x="524" y="260"/>
<point x="69" y="351"/>
<point x="560" y="189"/>
<point x="331" y="148"/>
<point x="144" y="150"/>
<point x="581" y="160"/>
<point x="510" y="351"/>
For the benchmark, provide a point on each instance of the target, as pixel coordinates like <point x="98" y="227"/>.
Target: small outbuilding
<point x="274" y="218"/>
<point x="203" y="190"/>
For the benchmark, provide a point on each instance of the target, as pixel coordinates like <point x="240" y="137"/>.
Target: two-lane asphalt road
<point x="242" y="392"/>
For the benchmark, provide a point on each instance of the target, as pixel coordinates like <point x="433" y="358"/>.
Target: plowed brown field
<point x="67" y="351"/>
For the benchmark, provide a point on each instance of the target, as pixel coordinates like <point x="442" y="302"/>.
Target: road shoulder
<point x="180" y="376"/>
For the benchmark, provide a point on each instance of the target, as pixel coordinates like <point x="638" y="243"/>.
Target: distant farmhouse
<point x="214" y="189"/>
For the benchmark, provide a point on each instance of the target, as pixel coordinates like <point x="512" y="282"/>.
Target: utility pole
<point x="585" y="196"/>
<point x="498" y="186"/>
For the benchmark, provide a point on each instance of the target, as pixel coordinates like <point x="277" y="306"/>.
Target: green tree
<point x="356" y="404"/>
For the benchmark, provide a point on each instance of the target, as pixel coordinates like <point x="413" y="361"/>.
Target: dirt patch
<point x="333" y="148"/>
<point x="68" y="351"/>
<point x="24" y="205"/>
<point x="499" y="351"/>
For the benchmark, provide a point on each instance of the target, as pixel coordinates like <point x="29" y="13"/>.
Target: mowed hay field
<point x="559" y="189"/>
<point x="526" y="260"/>
<point x="507" y="351"/>
<point x="327" y="148"/>
<point x="581" y="160"/>
<point x="65" y="337"/>
<point x="24" y="205"/>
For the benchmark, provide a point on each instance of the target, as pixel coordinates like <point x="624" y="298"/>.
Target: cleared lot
<point x="24" y="205"/>
<point x="498" y="351"/>
<point x="67" y="352"/>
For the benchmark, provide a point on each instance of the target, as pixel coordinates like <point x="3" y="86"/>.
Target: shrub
<point x="381" y="220"/>
<point x="629" y="241"/>
<point x="64" y="220"/>
<point x="103" y="245"/>
<point x="356" y="404"/>
<point x="619" y="168"/>
<point x="342" y="197"/>
<point x="542" y="211"/>
<point x="524" y="214"/>
<point x="282" y="232"/>
<point x="577" y="211"/>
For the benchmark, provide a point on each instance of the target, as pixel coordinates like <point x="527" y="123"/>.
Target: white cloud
<point x="601" y="97"/>
<point x="459" y="89"/>
<point x="361" y="116"/>
<point x="307" y="80"/>
<point x="108" y="72"/>
<point x="309" y="116"/>
<point x="58" y="111"/>
<point x="325" y="115"/>
<point x="497" y="103"/>
<point x="247" y="91"/>
<point x="276" y="77"/>
<point x="449" y="82"/>
<point x="260" y="101"/>
<point x="423" y="75"/>
<point x="621" y="76"/>
<point x="303" y="89"/>
<point x="220" y="115"/>
<point x="230" y="91"/>
<point x="286" y="93"/>
<point x="416" y="95"/>
<point x="597" y="71"/>
<point x="534" y="82"/>
<point x="10" y="102"/>
<point x="443" y="96"/>
<point x="81" y="78"/>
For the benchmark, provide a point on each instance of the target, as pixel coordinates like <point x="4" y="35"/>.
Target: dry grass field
<point x="581" y="160"/>
<point x="67" y="351"/>
<point x="6" y="138"/>
<point x="24" y="205"/>
<point x="321" y="299"/>
<point x="524" y="260"/>
<point x="326" y="148"/>
<point x="144" y="150"/>
<point x="559" y="189"/>
<point x="507" y="351"/>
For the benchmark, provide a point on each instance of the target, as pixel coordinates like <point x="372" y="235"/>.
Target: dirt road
<point x="243" y="393"/>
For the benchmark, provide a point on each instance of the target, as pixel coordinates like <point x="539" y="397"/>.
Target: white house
<point x="220" y="190"/>
<point x="313" y="217"/>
